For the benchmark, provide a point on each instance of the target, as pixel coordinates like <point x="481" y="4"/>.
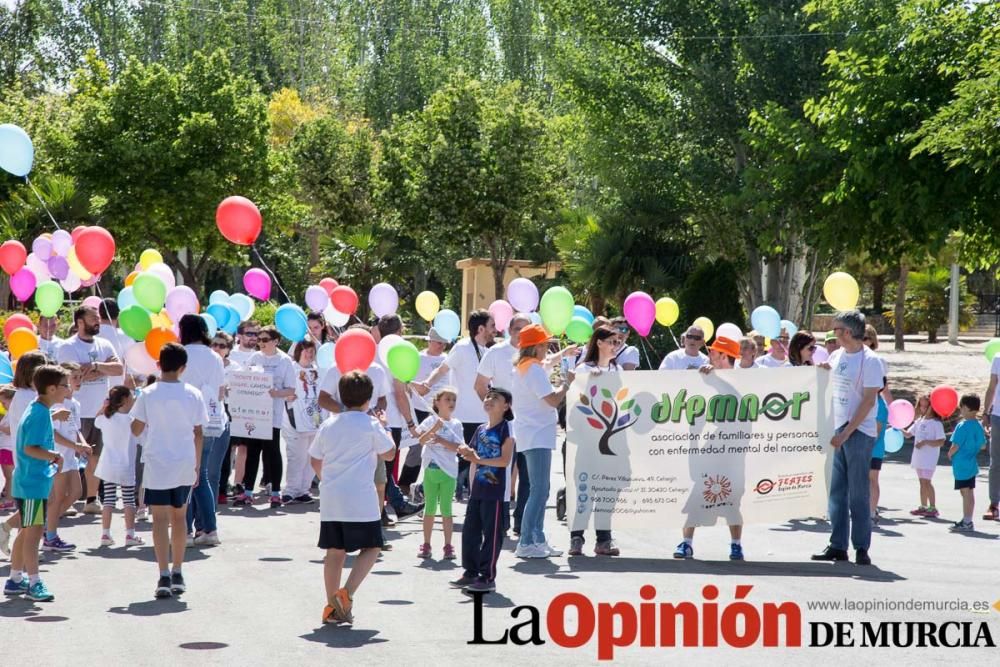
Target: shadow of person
<point x="343" y="636"/>
<point x="803" y="568"/>
<point x="152" y="608"/>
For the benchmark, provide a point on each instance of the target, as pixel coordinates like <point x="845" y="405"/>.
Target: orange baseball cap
<point x="531" y="335"/>
<point x="726" y="346"/>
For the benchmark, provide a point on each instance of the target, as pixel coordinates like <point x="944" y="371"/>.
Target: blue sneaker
<point x="39" y="593"/>
<point x="58" y="545"/>
<point x="684" y="550"/>
<point x="16" y="587"/>
<point x="735" y="552"/>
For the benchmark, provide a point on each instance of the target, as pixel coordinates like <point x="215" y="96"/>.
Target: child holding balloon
<point x="928" y="437"/>
<point x="441" y="435"/>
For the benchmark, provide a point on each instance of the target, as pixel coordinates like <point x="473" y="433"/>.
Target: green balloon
<point x="556" y="309"/>
<point x="992" y="348"/>
<point x="579" y="330"/>
<point x="135" y="322"/>
<point x="149" y="290"/>
<point x="48" y="298"/>
<point x="404" y="361"/>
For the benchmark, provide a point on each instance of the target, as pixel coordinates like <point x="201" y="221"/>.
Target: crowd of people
<point x="480" y="424"/>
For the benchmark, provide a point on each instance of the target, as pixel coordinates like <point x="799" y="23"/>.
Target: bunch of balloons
<point x="21" y="337"/>
<point x="58" y="261"/>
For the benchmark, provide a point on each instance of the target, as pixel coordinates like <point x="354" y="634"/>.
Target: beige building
<point x="478" y="284"/>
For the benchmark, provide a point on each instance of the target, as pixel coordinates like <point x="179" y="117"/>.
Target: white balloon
<point x="384" y="346"/>
<point x="38" y="267"/>
<point x="730" y="331"/>
<point x="164" y="273"/>
<point x="72" y="282"/>
<point x="335" y="317"/>
<point x="218" y="296"/>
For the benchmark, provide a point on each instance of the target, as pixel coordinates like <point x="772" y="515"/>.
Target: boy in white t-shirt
<point x="346" y="453"/>
<point x="175" y="414"/>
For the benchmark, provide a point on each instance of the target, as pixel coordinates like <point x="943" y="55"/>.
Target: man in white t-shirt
<point x="777" y="357"/>
<point x="991" y="422"/>
<point x="48" y="341"/>
<point x="855" y="383"/>
<point x="246" y="342"/>
<point x="689" y="356"/>
<point x="110" y="332"/>
<point x="430" y="358"/>
<point x="99" y="364"/>
<point x="627" y="357"/>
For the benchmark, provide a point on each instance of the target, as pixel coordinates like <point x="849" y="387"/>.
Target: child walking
<point x="878" y="453"/>
<point x="117" y="465"/>
<point x="175" y="414"/>
<point x="36" y="461"/>
<point x="345" y="454"/>
<point x="6" y="449"/>
<point x="67" y="485"/>
<point x="928" y="437"/>
<point x="440" y="435"/>
<point x="490" y="453"/>
<point x="966" y="441"/>
<point x="303" y="417"/>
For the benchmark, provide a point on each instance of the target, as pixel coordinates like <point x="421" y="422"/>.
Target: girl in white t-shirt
<point x="928" y="437"/>
<point x="441" y="436"/>
<point x="6" y="449"/>
<point x="303" y="417"/>
<point x="117" y="464"/>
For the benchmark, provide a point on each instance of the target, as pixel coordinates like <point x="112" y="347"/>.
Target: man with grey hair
<point x="856" y="382"/>
<point x="689" y="356"/>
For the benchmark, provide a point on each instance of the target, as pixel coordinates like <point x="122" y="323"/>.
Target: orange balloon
<point x="156" y="339"/>
<point x="130" y="278"/>
<point x="21" y="340"/>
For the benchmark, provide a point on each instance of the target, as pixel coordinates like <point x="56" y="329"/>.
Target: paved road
<point x="257" y="598"/>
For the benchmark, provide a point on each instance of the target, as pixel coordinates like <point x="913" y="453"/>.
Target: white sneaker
<point x="107" y="540"/>
<point x="134" y="541"/>
<point x="208" y="539"/>
<point x="141" y="514"/>
<point x="5" y="539"/>
<point x="190" y="541"/>
<point x="530" y="551"/>
<point x="550" y="550"/>
<point x="92" y="508"/>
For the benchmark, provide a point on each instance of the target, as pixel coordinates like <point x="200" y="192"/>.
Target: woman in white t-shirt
<point x="928" y="437"/>
<point x="303" y="417"/>
<point x="536" y="406"/>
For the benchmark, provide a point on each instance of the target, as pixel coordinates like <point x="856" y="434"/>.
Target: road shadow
<point x="734" y="568"/>
<point x="492" y="600"/>
<point x="803" y="525"/>
<point x="437" y="565"/>
<point x="145" y="553"/>
<point x="343" y="636"/>
<point x="152" y="608"/>
<point x="19" y="607"/>
<point x="536" y="566"/>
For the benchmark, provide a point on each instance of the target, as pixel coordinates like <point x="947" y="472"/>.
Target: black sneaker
<point x="177" y="583"/>
<point x="163" y="588"/>
<point x="462" y="581"/>
<point x="831" y="554"/>
<point x="408" y="510"/>
<point x="387" y="522"/>
<point x="861" y="557"/>
<point x="305" y="499"/>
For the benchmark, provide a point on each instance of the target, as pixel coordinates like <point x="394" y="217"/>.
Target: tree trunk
<point x="899" y="312"/>
<point x="878" y="293"/>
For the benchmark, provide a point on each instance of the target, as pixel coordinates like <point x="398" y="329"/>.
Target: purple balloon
<point x="181" y="301"/>
<point x="23" y="283"/>
<point x="91" y="281"/>
<point x="523" y="295"/>
<point x="317" y="298"/>
<point x="640" y="312"/>
<point x="58" y="267"/>
<point x="42" y="247"/>
<point x="257" y="284"/>
<point x="383" y="299"/>
<point x="61" y="241"/>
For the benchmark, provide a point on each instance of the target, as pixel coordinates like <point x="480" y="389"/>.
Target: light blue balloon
<point x="291" y="322"/>
<point x="221" y="314"/>
<point x="766" y="321"/>
<point x="893" y="441"/>
<point x="233" y="323"/>
<point x="17" y="153"/>
<point x="243" y="305"/>
<point x="535" y="317"/>
<point x="789" y="327"/>
<point x="218" y="296"/>
<point x="447" y="324"/>
<point x="210" y="322"/>
<point x="6" y="370"/>
<point x="324" y="356"/>
<point x="582" y="311"/>
<point x="126" y="298"/>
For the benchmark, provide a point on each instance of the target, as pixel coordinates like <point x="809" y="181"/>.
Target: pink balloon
<point x="317" y="298"/>
<point x="165" y="274"/>
<point x="640" y="312"/>
<point x="23" y="283"/>
<point x="901" y="413"/>
<point x="38" y="266"/>
<point x="523" y="295"/>
<point x="181" y="301"/>
<point x="820" y="355"/>
<point x="502" y="313"/>
<point x="93" y="301"/>
<point x="71" y="282"/>
<point x="137" y="360"/>
<point x="257" y="284"/>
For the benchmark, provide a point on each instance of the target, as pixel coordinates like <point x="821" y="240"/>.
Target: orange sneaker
<point x="329" y="614"/>
<point x="343" y="603"/>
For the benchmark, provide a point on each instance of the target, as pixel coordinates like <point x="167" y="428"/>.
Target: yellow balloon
<point x="21" y="340"/>
<point x="428" y="305"/>
<point x="841" y="291"/>
<point x="75" y="266"/>
<point x="161" y="320"/>
<point x="705" y="325"/>
<point x="150" y="257"/>
<point x="667" y="311"/>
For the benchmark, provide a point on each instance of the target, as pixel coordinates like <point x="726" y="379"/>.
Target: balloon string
<point x="274" y="276"/>
<point x="642" y="346"/>
<point x="42" y="202"/>
<point x="676" y="343"/>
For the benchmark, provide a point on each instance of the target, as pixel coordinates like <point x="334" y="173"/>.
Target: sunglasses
<point x="264" y="339"/>
<point x="623" y="330"/>
<point x="249" y="334"/>
<point x="690" y="337"/>
<point x="221" y="346"/>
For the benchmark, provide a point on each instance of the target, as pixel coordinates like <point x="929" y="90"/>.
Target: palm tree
<point x="24" y="217"/>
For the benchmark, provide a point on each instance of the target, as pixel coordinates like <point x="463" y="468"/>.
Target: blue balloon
<point x="233" y="323"/>
<point x="291" y="322"/>
<point x="581" y="311"/>
<point x="789" y="327"/>
<point x="221" y="314"/>
<point x="17" y="153"/>
<point x="218" y="296"/>
<point x="243" y="305"/>
<point x="126" y="298"/>
<point x="766" y="321"/>
<point x="210" y="322"/>
<point x="324" y="356"/>
<point x="6" y="370"/>
<point x="535" y="317"/>
<point x="893" y="441"/>
<point x="447" y="324"/>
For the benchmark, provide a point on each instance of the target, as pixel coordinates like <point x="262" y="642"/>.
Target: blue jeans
<point x="539" y="471"/>
<point x="850" y="492"/>
<point x="219" y="452"/>
<point x="202" y="503"/>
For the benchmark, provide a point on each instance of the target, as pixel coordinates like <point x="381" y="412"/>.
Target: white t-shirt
<point x="378" y="376"/>
<point x="18" y="406"/>
<point x="50" y="348"/>
<point x="206" y="373"/>
<point x="463" y="364"/>
<point x="451" y="430"/>
<point x="498" y="365"/>
<point x="281" y="368"/>
<point x="69" y="429"/>
<point x="680" y="360"/>
<point x="628" y="355"/>
<point x="393" y="415"/>
<point x="6" y="439"/>
<point x="588" y="367"/>
<point x="91" y="393"/>
<point x="238" y="356"/>
<point x="536" y="420"/>
<point x="926" y="429"/>
<point x="995" y="370"/>
<point x="305" y="408"/>
<point x="349" y="445"/>
<point x="119" y="341"/>
<point x="170" y="411"/>
<point x="852" y="374"/>
<point x="768" y="361"/>
<point x="117" y="462"/>
<point x="428" y="364"/>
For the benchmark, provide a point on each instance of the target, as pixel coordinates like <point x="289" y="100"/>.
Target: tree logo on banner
<point x="606" y="413"/>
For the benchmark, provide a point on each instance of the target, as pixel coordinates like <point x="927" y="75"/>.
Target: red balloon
<point x="329" y="284"/>
<point x="944" y="400"/>
<point x="17" y="321"/>
<point x="239" y="220"/>
<point x="95" y="248"/>
<point x="344" y="299"/>
<point x="12" y="256"/>
<point x="75" y="234"/>
<point x="355" y="351"/>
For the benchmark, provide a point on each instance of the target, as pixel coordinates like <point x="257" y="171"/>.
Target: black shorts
<point x="238" y="441"/>
<point x="175" y="497"/>
<point x="350" y="535"/>
<point x="876" y="464"/>
<point x="965" y="483"/>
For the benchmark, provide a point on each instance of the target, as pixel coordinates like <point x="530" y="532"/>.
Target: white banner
<point x="250" y="404"/>
<point x="660" y="449"/>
